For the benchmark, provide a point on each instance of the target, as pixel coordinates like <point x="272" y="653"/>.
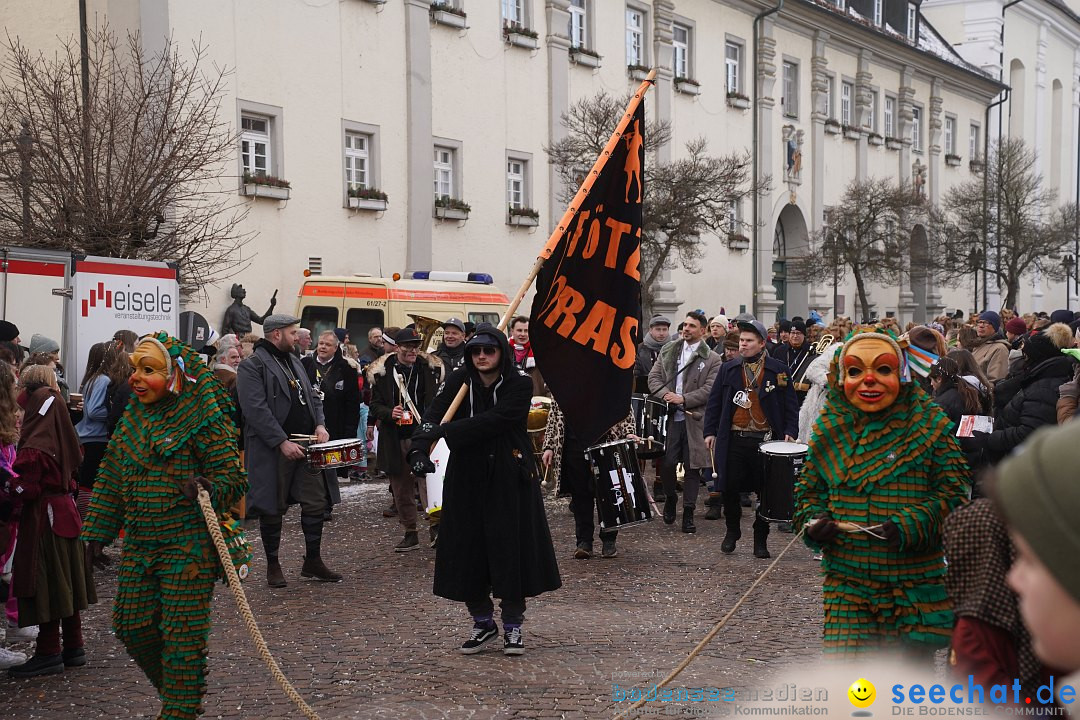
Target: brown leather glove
<point x="823" y="530"/>
<point x="190" y="488"/>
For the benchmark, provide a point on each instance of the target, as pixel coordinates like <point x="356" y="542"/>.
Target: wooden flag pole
<point x="564" y="222"/>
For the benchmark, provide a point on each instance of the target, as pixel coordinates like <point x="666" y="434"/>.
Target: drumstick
<point x="712" y="459"/>
<point x="648" y="494"/>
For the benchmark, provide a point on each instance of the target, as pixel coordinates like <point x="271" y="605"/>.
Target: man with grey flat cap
<point x="279" y="405"/>
<point x="752" y="401"/>
<point x="452" y="349"/>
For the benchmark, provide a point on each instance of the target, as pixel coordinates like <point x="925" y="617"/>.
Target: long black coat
<point x="493" y="533"/>
<point x="341" y="395"/>
<point x="1033" y="406"/>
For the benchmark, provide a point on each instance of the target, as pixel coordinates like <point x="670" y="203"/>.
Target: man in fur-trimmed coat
<point x="683" y="376"/>
<point x="398" y="413"/>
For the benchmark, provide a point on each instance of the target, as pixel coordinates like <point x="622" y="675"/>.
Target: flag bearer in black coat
<point x="494" y="539"/>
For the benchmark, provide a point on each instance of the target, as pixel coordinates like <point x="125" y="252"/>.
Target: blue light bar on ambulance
<point x="453" y="276"/>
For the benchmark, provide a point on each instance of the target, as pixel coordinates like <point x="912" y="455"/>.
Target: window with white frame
<point x="635" y="37"/>
<point x="444" y="173"/>
<point x="579" y="24"/>
<point x="878" y="12"/>
<point x="830" y="93"/>
<point x="513" y="12"/>
<point x="357" y="160"/>
<point x="733" y="66"/>
<point x="255" y="144"/>
<point x="515" y="183"/>
<point x="871" y="114"/>
<point x="949" y="133"/>
<point x="912" y="18"/>
<point x="890" y="117"/>
<point x="973" y="142"/>
<point x="847" y="90"/>
<point x="790" y="101"/>
<point x="916" y="129"/>
<point x="680" y="45"/>
<point x="734" y="218"/>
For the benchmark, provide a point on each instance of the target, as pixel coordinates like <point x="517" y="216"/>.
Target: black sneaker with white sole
<point x="480" y="635"/>
<point x="513" y="644"/>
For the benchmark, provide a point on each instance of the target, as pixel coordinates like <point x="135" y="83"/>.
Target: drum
<point x="650" y="421"/>
<point x="620" y="487"/>
<point x="539" y="409"/>
<point x="335" y="454"/>
<point x="783" y="463"/>
<point x="440" y="457"/>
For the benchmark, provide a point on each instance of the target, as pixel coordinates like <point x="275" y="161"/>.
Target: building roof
<point x="930" y="41"/>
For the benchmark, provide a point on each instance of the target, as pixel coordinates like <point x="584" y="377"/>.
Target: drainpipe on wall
<point x="986" y="188"/>
<point x="754" y="146"/>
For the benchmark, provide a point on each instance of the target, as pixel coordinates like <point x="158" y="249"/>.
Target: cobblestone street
<point x="380" y="645"/>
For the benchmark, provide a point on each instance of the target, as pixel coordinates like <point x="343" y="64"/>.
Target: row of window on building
<point x="258" y="145"/>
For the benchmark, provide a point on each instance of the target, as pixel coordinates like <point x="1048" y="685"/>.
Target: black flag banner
<point x="586" y="316"/>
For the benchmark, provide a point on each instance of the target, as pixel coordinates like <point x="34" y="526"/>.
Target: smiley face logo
<point x="862" y="693"/>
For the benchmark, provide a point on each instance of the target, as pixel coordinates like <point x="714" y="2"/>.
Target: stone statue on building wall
<point x="238" y="316"/>
<point x="918" y="178"/>
<point x="793" y="142"/>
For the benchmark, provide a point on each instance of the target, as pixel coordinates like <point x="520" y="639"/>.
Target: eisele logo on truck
<point x="143" y="304"/>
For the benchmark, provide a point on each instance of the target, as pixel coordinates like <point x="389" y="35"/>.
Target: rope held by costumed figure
<point x="214" y="526"/>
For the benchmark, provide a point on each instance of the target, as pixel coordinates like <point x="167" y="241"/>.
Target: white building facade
<point x="1033" y="46"/>
<point x="458" y="99"/>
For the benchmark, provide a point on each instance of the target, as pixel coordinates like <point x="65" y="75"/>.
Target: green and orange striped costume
<point x="169" y="565"/>
<point x="900" y="464"/>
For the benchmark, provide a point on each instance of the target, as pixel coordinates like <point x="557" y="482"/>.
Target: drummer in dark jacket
<point x="398" y="415"/>
<point x="331" y="373"/>
<point x="752" y="401"/>
<point x="494" y="539"/>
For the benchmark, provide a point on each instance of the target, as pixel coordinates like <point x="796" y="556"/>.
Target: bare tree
<point x="685" y="199"/>
<point x="1008" y="224"/>
<point x="130" y="168"/>
<point x="867" y="233"/>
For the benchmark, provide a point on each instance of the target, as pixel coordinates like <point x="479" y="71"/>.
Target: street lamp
<point x="1067" y="264"/>
<point x="975" y="263"/>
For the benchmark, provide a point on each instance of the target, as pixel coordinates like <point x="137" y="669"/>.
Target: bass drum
<point x="783" y="465"/>
<point x="620" y="488"/>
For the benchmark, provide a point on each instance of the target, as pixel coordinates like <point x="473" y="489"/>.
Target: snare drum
<point x="783" y="463"/>
<point x="335" y="454"/>
<point x="650" y="421"/>
<point x="620" y="489"/>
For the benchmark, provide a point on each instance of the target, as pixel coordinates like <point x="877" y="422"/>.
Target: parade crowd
<point x="921" y="444"/>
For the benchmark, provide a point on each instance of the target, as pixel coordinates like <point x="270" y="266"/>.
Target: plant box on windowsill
<point x="584" y="57"/>
<point x="687" y="86"/>
<point x="737" y="101"/>
<point x="738" y="242"/>
<point x="523" y="217"/>
<point x="374" y="204"/>
<point x="375" y="2"/>
<point x="976" y="166"/>
<point x="833" y="127"/>
<point x="893" y="143"/>
<point x="450" y="18"/>
<point x="265" y="186"/>
<point x="875" y="139"/>
<point x="521" y="36"/>
<point x="448" y="208"/>
<point x="953" y="160"/>
<point x="637" y="72"/>
<point x="851" y="133"/>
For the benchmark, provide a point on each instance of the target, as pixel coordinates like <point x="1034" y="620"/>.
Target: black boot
<point x="733" y="518"/>
<point x="669" y="509"/>
<point x="658" y="491"/>
<point x="761" y="540"/>
<point x="715" y="507"/>
<point x="688" y="521"/>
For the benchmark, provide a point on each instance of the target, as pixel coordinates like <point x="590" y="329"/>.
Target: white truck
<point x="80" y="300"/>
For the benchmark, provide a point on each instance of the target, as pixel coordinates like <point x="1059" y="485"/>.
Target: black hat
<point x="406" y="335"/>
<point x="798" y="325"/>
<point x="1062" y="316"/>
<point x="485" y="336"/>
<point x="785" y="325"/>
<point x="8" y="331"/>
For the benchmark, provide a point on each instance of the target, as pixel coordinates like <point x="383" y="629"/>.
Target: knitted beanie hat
<point x="1039" y="496"/>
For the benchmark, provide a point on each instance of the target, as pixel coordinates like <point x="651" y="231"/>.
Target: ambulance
<point x="360" y="302"/>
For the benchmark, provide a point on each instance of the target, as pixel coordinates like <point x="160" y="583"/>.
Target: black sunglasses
<point x="483" y="350"/>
